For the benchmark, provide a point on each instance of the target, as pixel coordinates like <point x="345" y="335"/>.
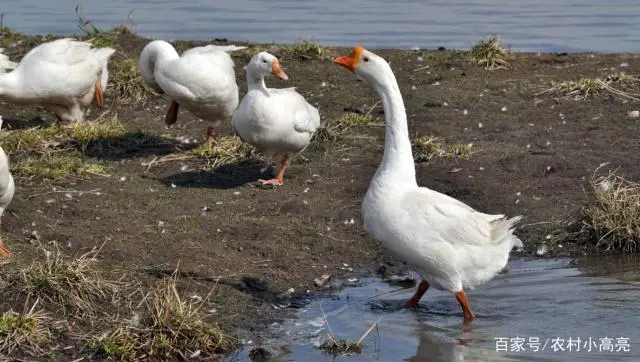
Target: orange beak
<point x="350" y="62"/>
<point x="4" y="251"/>
<point x="277" y="71"/>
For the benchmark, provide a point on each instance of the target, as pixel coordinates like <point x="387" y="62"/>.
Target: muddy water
<point x="541" y="25"/>
<point x="531" y="312"/>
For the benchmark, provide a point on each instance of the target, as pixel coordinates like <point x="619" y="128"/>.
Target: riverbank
<point x="152" y="201"/>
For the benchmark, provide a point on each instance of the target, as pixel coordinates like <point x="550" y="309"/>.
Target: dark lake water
<point x="526" y="25"/>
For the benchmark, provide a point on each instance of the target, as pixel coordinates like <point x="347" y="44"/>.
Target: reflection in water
<point x="538" y="300"/>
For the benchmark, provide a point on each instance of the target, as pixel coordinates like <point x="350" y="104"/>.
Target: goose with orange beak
<point x="452" y="246"/>
<point x="7" y="189"/>
<point x="277" y="122"/>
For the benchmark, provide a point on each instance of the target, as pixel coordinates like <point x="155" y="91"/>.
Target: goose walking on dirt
<point x="7" y="189"/>
<point x="452" y="246"/>
<point x="202" y="80"/>
<point x="277" y="122"/>
<point x="63" y="75"/>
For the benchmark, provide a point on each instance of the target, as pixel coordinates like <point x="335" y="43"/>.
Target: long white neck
<point x="154" y="55"/>
<point x="397" y="163"/>
<point x="255" y="80"/>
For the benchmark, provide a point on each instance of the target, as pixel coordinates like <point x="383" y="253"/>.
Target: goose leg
<point x="3" y="250"/>
<point x="98" y="93"/>
<point x="279" y="179"/>
<point x="210" y="137"/>
<point x="422" y="288"/>
<point x="172" y="114"/>
<point x="466" y="308"/>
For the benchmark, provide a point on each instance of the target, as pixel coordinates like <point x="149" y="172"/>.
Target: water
<point x="543" y="299"/>
<point x="527" y="25"/>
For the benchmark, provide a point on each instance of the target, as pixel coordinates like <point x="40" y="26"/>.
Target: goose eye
<point x="264" y="60"/>
<point x="366" y="59"/>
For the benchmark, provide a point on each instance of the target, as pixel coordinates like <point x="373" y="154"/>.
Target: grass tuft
<point x="71" y="286"/>
<point x="427" y="148"/>
<point x="335" y="128"/>
<point x="585" y="87"/>
<point x="56" y="166"/>
<point x="611" y="218"/>
<point x="125" y="80"/>
<point x="224" y="150"/>
<point x="490" y="54"/>
<point x="170" y="327"/>
<point x="29" y="333"/>
<point x="339" y="346"/>
<point x="306" y="48"/>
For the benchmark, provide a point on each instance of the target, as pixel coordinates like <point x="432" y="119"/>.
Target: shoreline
<point x="501" y="146"/>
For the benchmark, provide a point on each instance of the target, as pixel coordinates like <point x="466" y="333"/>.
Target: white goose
<point x="278" y="122"/>
<point x="7" y="189"/>
<point x="452" y="246"/>
<point x="63" y="75"/>
<point x="202" y="80"/>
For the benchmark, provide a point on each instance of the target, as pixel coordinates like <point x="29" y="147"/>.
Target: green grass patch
<point x="29" y="333"/>
<point x="305" y="49"/>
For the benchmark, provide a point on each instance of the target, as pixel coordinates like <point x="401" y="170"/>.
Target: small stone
<point x="634" y="114"/>
<point x="624" y="65"/>
<point x="504" y="109"/>
<point x="321" y="280"/>
<point x="465" y="112"/>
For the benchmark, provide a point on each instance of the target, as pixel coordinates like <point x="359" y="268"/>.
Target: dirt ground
<point x="532" y="156"/>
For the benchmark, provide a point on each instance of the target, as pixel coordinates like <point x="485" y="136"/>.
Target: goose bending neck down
<point x="202" y="80"/>
<point x="452" y="246"/>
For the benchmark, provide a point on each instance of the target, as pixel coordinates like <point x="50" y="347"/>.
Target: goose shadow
<point x="13" y="123"/>
<point x="132" y="144"/>
<point x="224" y="177"/>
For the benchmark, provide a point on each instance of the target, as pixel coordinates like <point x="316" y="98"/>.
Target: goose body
<point x="277" y="122"/>
<point x="452" y="246"/>
<point x="63" y="75"/>
<point x="202" y="80"/>
<point x="7" y="189"/>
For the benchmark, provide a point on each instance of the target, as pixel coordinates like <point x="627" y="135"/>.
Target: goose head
<point x="265" y="64"/>
<point x="364" y="64"/>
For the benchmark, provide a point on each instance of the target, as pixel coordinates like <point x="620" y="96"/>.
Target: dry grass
<point x="336" y="128"/>
<point x="304" y="49"/>
<point x="125" y="80"/>
<point x="342" y="347"/>
<point x="56" y="166"/>
<point x="427" y="148"/>
<point x="585" y="87"/>
<point x="71" y="286"/>
<point x="29" y="333"/>
<point x="611" y="218"/>
<point x="224" y="150"/>
<point x="169" y="327"/>
<point x="490" y="54"/>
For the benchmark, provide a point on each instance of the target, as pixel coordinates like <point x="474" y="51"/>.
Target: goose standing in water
<point x="7" y="189"/>
<point x="202" y="80"/>
<point x="277" y="122"/>
<point x="63" y="75"/>
<point x="452" y="246"/>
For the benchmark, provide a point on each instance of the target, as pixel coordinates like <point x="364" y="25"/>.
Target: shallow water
<point x="543" y="25"/>
<point x="543" y="299"/>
